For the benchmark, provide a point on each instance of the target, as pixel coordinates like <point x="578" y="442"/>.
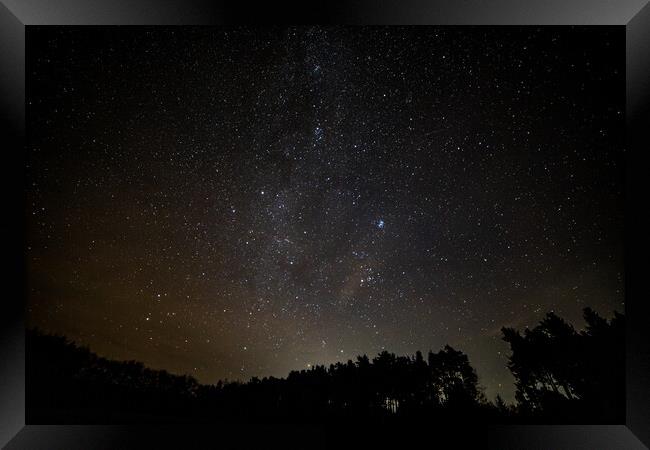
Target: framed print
<point x="264" y="223"/>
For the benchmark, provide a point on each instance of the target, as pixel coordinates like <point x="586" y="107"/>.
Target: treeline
<point x="562" y="376"/>
<point x="444" y="384"/>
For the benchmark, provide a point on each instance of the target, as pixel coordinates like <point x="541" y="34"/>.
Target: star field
<point x="236" y="202"/>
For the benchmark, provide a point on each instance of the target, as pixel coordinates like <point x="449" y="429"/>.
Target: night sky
<point x="237" y="202"/>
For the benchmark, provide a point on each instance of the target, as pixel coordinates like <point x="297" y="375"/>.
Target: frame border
<point x="15" y="15"/>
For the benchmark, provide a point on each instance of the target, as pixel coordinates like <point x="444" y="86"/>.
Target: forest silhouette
<point x="562" y="376"/>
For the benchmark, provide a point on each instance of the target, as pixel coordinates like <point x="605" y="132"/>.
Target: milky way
<point x="237" y="202"/>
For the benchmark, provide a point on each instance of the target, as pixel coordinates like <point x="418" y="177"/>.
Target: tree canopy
<point x="561" y="375"/>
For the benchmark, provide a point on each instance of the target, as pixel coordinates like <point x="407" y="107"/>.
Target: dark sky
<point x="232" y="202"/>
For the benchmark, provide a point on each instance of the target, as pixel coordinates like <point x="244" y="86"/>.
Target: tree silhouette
<point x="561" y="376"/>
<point x="562" y="373"/>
